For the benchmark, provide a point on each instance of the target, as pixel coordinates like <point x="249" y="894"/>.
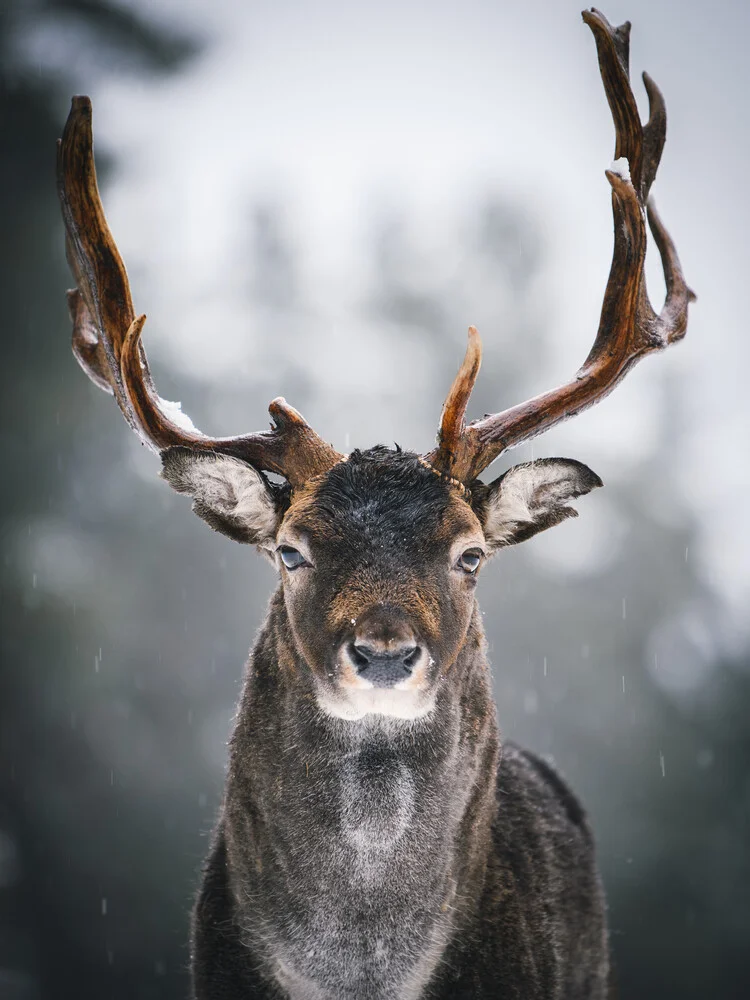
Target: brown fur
<point x="396" y="853"/>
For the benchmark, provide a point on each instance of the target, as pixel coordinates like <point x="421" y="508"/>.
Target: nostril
<point x="410" y="657"/>
<point x="360" y="654"/>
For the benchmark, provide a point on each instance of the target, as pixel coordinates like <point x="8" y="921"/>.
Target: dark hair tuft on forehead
<point x="389" y="482"/>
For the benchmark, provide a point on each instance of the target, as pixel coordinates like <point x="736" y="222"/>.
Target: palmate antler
<point x="629" y="328"/>
<point x="107" y="333"/>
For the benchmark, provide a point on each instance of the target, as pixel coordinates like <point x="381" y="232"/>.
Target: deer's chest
<point x="365" y="908"/>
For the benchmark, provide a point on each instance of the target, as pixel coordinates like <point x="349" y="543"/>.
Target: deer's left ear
<point x="531" y="497"/>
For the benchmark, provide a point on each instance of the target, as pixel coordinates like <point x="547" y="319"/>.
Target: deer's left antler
<point x="629" y="327"/>
<point x="107" y="333"/>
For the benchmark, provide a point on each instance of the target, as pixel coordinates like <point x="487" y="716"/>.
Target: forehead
<point x="380" y="497"/>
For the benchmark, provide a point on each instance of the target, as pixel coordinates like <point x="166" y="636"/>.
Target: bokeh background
<point x="316" y="199"/>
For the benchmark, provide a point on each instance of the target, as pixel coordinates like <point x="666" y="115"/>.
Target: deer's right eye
<point x="291" y="558"/>
<point x="469" y="560"/>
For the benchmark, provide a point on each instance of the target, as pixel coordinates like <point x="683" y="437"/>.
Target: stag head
<point x="379" y="551"/>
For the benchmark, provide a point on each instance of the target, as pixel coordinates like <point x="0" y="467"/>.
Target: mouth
<point x="353" y="704"/>
<point x="392" y="692"/>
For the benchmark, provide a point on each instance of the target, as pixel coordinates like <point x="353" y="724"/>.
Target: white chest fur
<point x="380" y="917"/>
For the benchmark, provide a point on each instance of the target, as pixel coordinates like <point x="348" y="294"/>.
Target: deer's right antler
<point x="629" y="328"/>
<point x="107" y="333"/>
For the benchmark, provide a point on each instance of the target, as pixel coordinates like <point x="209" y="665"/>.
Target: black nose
<point x="384" y="667"/>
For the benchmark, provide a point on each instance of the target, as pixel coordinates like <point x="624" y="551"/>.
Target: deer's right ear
<point x="231" y="496"/>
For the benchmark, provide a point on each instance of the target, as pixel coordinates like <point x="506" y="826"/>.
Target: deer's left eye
<point x="470" y="560"/>
<point x="291" y="558"/>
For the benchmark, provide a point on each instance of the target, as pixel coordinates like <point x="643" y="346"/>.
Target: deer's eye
<point x="291" y="558"/>
<point x="469" y="560"/>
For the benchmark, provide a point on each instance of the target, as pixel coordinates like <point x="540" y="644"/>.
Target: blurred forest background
<point x="316" y="200"/>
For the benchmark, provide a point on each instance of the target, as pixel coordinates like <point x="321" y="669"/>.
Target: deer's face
<point x="378" y="559"/>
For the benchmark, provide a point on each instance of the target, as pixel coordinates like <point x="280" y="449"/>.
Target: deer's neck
<point x="366" y="839"/>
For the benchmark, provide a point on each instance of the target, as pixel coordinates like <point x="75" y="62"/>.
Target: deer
<point x="377" y="839"/>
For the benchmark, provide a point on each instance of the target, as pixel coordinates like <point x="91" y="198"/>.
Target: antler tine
<point x="629" y="328"/>
<point x="452" y="426"/>
<point x="107" y="334"/>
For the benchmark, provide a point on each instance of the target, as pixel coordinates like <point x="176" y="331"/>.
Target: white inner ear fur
<point x="535" y="493"/>
<point x="226" y="485"/>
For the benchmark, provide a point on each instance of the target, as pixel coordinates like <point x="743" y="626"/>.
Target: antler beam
<point x="629" y="328"/>
<point x="107" y="333"/>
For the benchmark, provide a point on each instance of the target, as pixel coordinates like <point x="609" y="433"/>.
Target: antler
<point x="629" y="328"/>
<point x="107" y="333"/>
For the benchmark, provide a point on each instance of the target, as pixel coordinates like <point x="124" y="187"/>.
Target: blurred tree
<point x="51" y="937"/>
